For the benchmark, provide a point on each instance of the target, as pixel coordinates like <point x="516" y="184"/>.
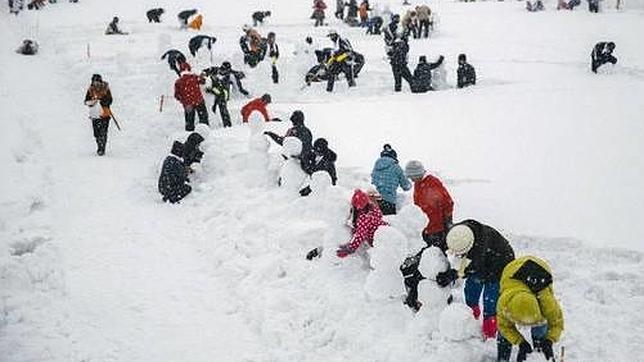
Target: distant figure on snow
<point x="259" y="16"/>
<point x="113" y="28"/>
<point x="175" y="58"/>
<point x="154" y="15"/>
<point x="99" y="99"/>
<point x="257" y="105"/>
<point x="318" y="12"/>
<point x="196" y="42"/>
<point x="602" y="54"/>
<point x="28" y="47"/>
<point x="173" y="180"/>
<point x="273" y="53"/>
<point x="465" y="74"/>
<point x="534" y="6"/>
<point x="184" y="16"/>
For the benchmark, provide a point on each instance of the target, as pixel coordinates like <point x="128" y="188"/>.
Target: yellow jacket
<point x="512" y="284"/>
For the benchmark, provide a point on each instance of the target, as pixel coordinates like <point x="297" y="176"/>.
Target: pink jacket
<point x="366" y="226"/>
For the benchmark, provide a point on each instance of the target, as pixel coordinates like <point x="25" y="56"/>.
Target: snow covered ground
<point x="93" y="267"/>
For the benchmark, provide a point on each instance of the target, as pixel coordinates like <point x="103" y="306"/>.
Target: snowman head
<point x="291" y="147"/>
<point x="256" y="123"/>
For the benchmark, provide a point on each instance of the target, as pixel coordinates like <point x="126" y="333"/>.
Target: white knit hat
<point x="460" y="239"/>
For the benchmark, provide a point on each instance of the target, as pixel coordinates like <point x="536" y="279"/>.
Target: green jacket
<point x="532" y="275"/>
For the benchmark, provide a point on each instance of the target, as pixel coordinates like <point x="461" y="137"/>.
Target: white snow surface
<point x="94" y="267"/>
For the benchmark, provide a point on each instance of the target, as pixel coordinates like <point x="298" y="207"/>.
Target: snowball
<point x="320" y="182"/>
<point x="292" y="146"/>
<point x="456" y="323"/>
<point x="432" y="262"/>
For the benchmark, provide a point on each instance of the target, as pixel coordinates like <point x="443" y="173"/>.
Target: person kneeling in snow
<point x="174" y="176"/>
<point x="259" y="105"/>
<point x="367" y="218"/>
<point x="484" y="252"/>
<point x="113" y="28"/>
<point x="28" y="47"/>
<point x="602" y="53"/>
<point x="320" y="159"/>
<point x="527" y="299"/>
<point x="298" y="130"/>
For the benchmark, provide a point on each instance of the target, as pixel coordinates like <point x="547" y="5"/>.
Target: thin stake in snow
<point x="161" y="103"/>
<point x="88" y="52"/>
<point x="562" y="354"/>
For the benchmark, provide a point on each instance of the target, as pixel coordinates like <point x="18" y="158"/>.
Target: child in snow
<point x="602" y="54"/>
<point x="398" y="59"/>
<point x="191" y="152"/>
<point x="99" y="99"/>
<point x="188" y="92"/>
<point x="422" y="81"/>
<point x="259" y="105"/>
<point x="484" y="252"/>
<point x="321" y="158"/>
<point x="259" y="16"/>
<point x="154" y="15"/>
<point x="435" y="201"/>
<point x="219" y="87"/>
<point x="196" y="42"/>
<point x="274" y="54"/>
<point x="387" y="176"/>
<point x="318" y="12"/>
<point x="298" y="130"/>
<point x="28" y="47"/>
<point x="366" y="220"/>
<point x="342" y="61"/>
<point x="174" y="176"/>
<point x="175" y="58"/>
<point x="528" y="299"/>
<point x="465" y="74"/>
<point x="113" y="28"/>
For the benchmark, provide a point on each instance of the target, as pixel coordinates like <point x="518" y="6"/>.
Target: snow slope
<point x="94" y="267"/>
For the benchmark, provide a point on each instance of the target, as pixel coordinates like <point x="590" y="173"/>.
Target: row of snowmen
<point x="451" y="323"/>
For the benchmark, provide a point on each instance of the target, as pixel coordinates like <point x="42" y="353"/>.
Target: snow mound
<point x="457" y="324"/>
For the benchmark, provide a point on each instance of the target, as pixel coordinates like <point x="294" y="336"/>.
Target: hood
<point x="384" y="163"/>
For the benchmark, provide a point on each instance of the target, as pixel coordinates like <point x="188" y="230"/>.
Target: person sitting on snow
<point x="602" y="53"/>
<point x="259" y="16"/>
<point x="259" y="105"/>
<point x="321" y="158"/>
<point x="174" y="176"/>
<point x="366" y="219"/>
<point x="298" y="130"/>
<point x="196" y="42"/>
<point x="28" y="47"/>
<point x="113" y="28"/>
<point x="154" y="15"/>
<point x="175" y="58"/>
<point x="484" y="252"/>
<point x="527" y="298"/>
<point x="387" y="176"/>
<point x="465" y="74"/>
<point x="422" y="79"/>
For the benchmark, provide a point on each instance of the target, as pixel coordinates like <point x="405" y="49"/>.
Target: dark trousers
<point x="190" y="116"/>
<point x="100" y="126"/>
<point x="596" y="63"/>
<point x="387" y="208"/>
<point x="274" y="74"/>
<point x="176" y="195"/>
<point x="504" y="347"/>
<point x="335" y="70"/>
<point x="473" y="289"/>
<point x="423" y="28"/>
<point x="223" y="110"/>
<point x="401" y="71"/>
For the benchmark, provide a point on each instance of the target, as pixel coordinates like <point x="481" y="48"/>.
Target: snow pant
<point x="319" y="19"/>
<point x="596" y="63"/>
<point x="504" y="347"/>
<point x="401" y="71"/>
<point x="274" y="74"/>
<point x="490" y="290"/>
<point x="423" y="28"/>
<point x="176" y="194"/>
<point x="593" y="6"/>
<point x="100" y="126"/>
<point x="374" y="24"/>
<point x="335" y="69"/>
<point x="339" y="13"/>
<point x="437" y="240"/>
<point x="190" y="115"/>
<point x="387" y="208"/>
<point x="223" y="110"/>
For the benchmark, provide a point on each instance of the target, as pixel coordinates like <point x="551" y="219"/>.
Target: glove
<point x="305" y="191"/>
<point x="544" y="346"/>
<point x="446" y="278"/>
<point x="343" y="251"/>
<point x="269" y="133"/>
<point x="524" y="350"/>
<point x="489" y="327"/>
<point x="476" y="311"/>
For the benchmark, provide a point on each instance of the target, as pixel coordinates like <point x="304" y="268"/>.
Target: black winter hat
<point x="194" y="139"/>
<point x="297" y="117"/>
<point x="177" y="149"/>
<point x="267" y="98"/>
<point x="422" y="59"/>
<point x="97" y="78"/>
<point x="388" y="151"/>
<point x="462" y="58"/>
<point x="320" y="145"/>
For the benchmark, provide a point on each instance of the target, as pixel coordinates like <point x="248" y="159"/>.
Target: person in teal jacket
<point x="387" y="176"/>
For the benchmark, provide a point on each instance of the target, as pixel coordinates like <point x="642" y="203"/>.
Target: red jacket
<point x="366" y="225"/>
<point x="256" y="104"/>
<point x="187" y="91"/>
<point x="432" y="197"/>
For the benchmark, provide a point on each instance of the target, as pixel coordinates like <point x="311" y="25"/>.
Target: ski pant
<point x="423" y="28"/>
<point x="190" y="115"/>
<point x="401" y="71"/>
<point x="274" y="74"/>
<point x="490" y="290"/>
<point x="176" y="194"/>
<point x="335" y="70"/>
<point x="100" y="126"/>
<point x="504" y="347"/>
<point x="387" y="208"/>
<point x="223" y="110"/>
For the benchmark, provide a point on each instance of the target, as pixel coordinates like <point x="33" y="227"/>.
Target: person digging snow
<point x="484" y="252"/>
<point x="113" y="28"/>
<point x="154" y="15"/>
<point x="99" y="99"/>
<point x="527" y="298"/>
<point x="298" y="130"/>
<point x="602" y="54"/>
<point x="174" y="176"/>
<point x="387" y="176"/>
<point x="175" y="58"/>
<point x="188" y="92"/>
<point x="367" y="218"/>
<point x="196" y="42"/>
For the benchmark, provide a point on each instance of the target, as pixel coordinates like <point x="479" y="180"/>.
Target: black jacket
<point x="186" y="14"/>
<point x="324" y="161"/>
<point x="466" y="75"/>
<point x="398" y="53"/>
<point x="301" y="132"/>
<point x="198" y="41"/>
<point x="490" y="253"/>
<point x="173" y="176"/>
<point x="423" y="76"/>
<point x="191" y="151"/>
<point x="174" y="56"/>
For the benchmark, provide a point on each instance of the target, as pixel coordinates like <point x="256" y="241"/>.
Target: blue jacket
<point x="387" y="176"/>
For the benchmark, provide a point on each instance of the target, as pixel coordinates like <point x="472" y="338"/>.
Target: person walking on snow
<point x="274" y="54"/>
<point x="484" y="252"/>
<point x="99" y="99"/>
<point x="259" y="105"/>
<point x="527" y="298"/>
<point x="387" y="176"/>
<point x="425" y="23"/>
<point x="465" y="74"/>
<point x="175" y="58"/>
<point x="318" y="12"/>
<point x="187" y="91"/>
<point x="367" y="218"/>
<point x="173" y="179"/>
<point x="298" y="130"/>
<point x="435" y="201"/>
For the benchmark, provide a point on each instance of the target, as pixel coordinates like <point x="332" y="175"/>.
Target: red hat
<point x="360" y="199"/>
<point x="184" y="67"/>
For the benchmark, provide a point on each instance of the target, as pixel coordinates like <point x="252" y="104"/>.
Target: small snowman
<point x="385" y="281"/>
